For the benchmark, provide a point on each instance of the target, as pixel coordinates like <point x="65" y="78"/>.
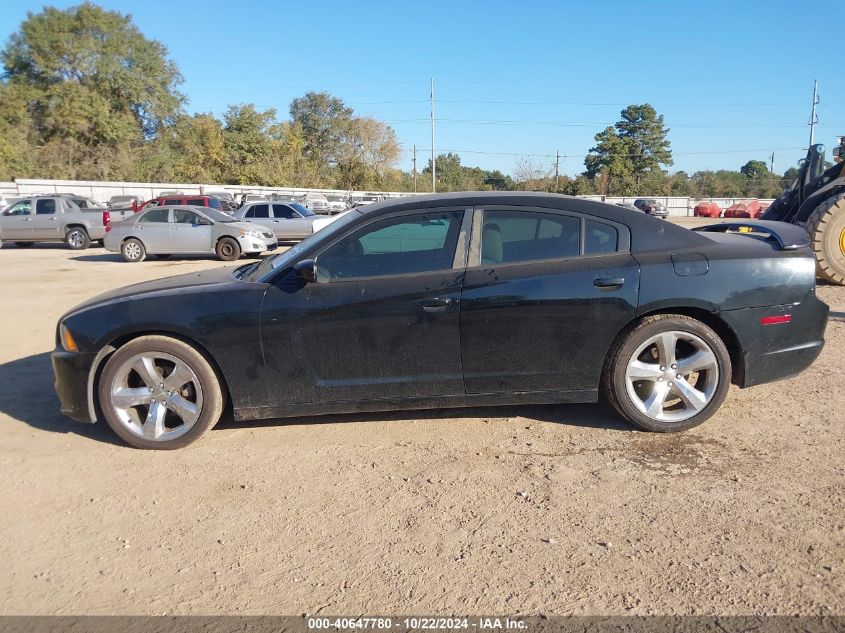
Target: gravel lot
<point x="557" y="510"/>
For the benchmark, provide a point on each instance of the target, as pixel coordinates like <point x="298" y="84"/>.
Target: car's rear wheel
<point x="77" y="239"/>
<point x="228" y="249"/>
<point x="133" y="250"/>
<point x="160" y="393"/>
<point x="669" y="373"/>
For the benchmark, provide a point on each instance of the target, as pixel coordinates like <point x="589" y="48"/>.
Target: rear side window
<point x="518" y="236"/>
<point x="172" y="201"/>
<point x="600" y="238"/>
<point x="196" y="202"/>
<point x="156" y="215"/>
<point x="45" y="206"/>
<point x="260" y="211"/>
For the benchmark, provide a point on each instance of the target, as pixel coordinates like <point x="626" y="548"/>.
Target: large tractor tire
<point x="826" y="227"/>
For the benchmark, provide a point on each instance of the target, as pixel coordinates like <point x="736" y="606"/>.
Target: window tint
<point x="517" y="236"/>
<point x="21" y="208"/>
<point x="156" y="215"/>
<point x="45" y="206"/>
<point x="172" y="201"/>
<point x="183" y="216"/>
<point x="260" y="211"/>
<point x="197" y="202"/>
<point x="600" y="238"/>
<point x="214" y="203"/>
<point x="395" y="246"/>
<point x="249" y="213"/>
<point x="283" y="211"/>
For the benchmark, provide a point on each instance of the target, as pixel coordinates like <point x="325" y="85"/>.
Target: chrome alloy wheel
<point x="156" y="396"/>
<point x="672" y="376"/>
<point x="75" y="239"/>
<point x="132" y="250"/>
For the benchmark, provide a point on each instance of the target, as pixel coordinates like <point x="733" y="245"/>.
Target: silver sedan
<point x="289" y="220"/>
<point x="186" y="231"/>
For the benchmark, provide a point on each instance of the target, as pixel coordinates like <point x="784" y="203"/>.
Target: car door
<point x="189" y="232"/>
<point x="153" y="229"/>
<point x="381" y="322"/>
<point x="260" y="214"/>
<point x="288" y="224"/>
<point x="45" y="221"/>
<point x="545" y="294"/>
<point x="16" y="222"/>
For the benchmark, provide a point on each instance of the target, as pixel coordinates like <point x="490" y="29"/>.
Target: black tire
<point x="213" y="401"/>
<point x="826" y="227"/>
<point x="228" y="249"/>
<point x="133" y="250"/>
<point x="24" y="244"/>
<point x="77" y="238"/>
<point x="614" y="375"/>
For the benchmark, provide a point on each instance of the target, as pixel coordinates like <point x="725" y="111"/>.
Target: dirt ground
<point x="524" y="510"/>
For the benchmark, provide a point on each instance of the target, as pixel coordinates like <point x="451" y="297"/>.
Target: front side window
<point x="518" y="236"/>
<point x="45" y="206"/>
<point x="183" y="216"/>
<point x="24" y="207"/>
<point x="284" y="211"/>
<point x="395" y="246"/>
<point x="156" y="215"/>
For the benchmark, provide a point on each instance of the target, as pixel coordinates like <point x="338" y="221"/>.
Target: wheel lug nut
<point x="674" y="366"/>
<point x="161" y="386"/>
<point x="678" y="376"/>
<point x="670" y="383"/>
<point x="662" y="368"/>
<point x="660" y="379"/>
<point x="151" y="389"/>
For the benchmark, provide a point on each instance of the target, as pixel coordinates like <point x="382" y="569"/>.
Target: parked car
<point x="191" y="201"/>
<point x="164" y="194"/>
<point x="227" y="200"/>
<point x="337" y="203"/>
<point x="125" y="201"/>
<point x="53" y="219"/>
<point x="288" y="219"/>
<point x="251" y="197"/>
<point x="463" y="299"/>
<point x="651" y="207"/>
<point x="322" y="221"/>
<point x="186" y="231"/>
<point x="626" y="205"/>
<point x="317" y="202"/>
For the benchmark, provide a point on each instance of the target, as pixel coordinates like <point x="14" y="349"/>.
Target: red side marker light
<point x="774" y="320"/>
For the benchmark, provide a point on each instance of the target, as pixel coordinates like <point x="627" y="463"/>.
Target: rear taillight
<point x="774" y="320"/>
<point x="107" y="220"/>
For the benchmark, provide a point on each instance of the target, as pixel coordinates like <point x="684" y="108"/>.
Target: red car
<point x="196" y="201"/>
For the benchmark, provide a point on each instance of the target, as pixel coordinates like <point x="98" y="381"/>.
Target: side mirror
<point x="306" y="270"/>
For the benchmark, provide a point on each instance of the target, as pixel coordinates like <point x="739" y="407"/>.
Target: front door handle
<point x="437" y="304"/>
<point x="609" y="283"/>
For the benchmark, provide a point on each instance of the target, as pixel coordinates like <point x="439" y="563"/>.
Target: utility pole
<point x="433" y="155"/>
<point x="772" y="169"/>
<point x="557" y="170"/>
<point x="813" y="117"/>
<point x="415" y="168"/>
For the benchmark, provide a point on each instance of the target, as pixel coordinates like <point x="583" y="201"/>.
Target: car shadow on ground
<point x="41" y="246"/>
<point x="27" y="395"/>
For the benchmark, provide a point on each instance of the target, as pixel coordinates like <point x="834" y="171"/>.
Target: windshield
<point x="302" y="209"/>
<point x="276" y="262"/>
<point x="217" y="216"/>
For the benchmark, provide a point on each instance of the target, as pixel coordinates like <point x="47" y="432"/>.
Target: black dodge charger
<point x="452" y="300"/>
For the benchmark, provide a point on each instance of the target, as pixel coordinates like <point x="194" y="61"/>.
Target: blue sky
<point x="733" y="79"/>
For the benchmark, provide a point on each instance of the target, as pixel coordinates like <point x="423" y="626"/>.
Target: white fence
<point x="102" y="191"/>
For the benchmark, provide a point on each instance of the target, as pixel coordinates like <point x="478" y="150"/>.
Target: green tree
<point x="95" y="87"/>
<point x="629" y="152"/>
<point x="755" y="169"/>
<point x="324" y="120"/>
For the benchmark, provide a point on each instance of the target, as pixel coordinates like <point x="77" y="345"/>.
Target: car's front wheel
<point x="160" y="393"/>
<point x="228" y="249"/>
<point x="668" y="373"/>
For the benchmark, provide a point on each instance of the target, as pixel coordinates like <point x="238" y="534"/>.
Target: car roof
<point x="647" y="233"/>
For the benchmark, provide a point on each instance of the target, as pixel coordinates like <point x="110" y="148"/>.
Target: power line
<point x="709" y="152"/>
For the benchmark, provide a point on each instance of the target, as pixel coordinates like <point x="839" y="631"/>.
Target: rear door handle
<point x="609" y="283"/>
<point x="437" y="304"/>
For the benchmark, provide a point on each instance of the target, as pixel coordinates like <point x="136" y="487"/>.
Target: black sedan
<point x="452" y="300"/>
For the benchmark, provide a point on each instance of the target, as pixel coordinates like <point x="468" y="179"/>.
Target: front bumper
<point x="253" y="245"/>
<point x="72" y="371"/>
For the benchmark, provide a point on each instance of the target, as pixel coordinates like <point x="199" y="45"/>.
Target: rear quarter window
<point x="600" y="238"/>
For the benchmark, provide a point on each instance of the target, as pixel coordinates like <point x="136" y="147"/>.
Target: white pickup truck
<point x="54" y="219"/>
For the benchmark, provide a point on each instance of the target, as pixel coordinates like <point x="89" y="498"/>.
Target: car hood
<point x="180" y="284"/>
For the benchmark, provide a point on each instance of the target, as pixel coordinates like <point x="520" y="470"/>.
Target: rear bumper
<point x="775" y="352"/>
<point x="72" y="371"/>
